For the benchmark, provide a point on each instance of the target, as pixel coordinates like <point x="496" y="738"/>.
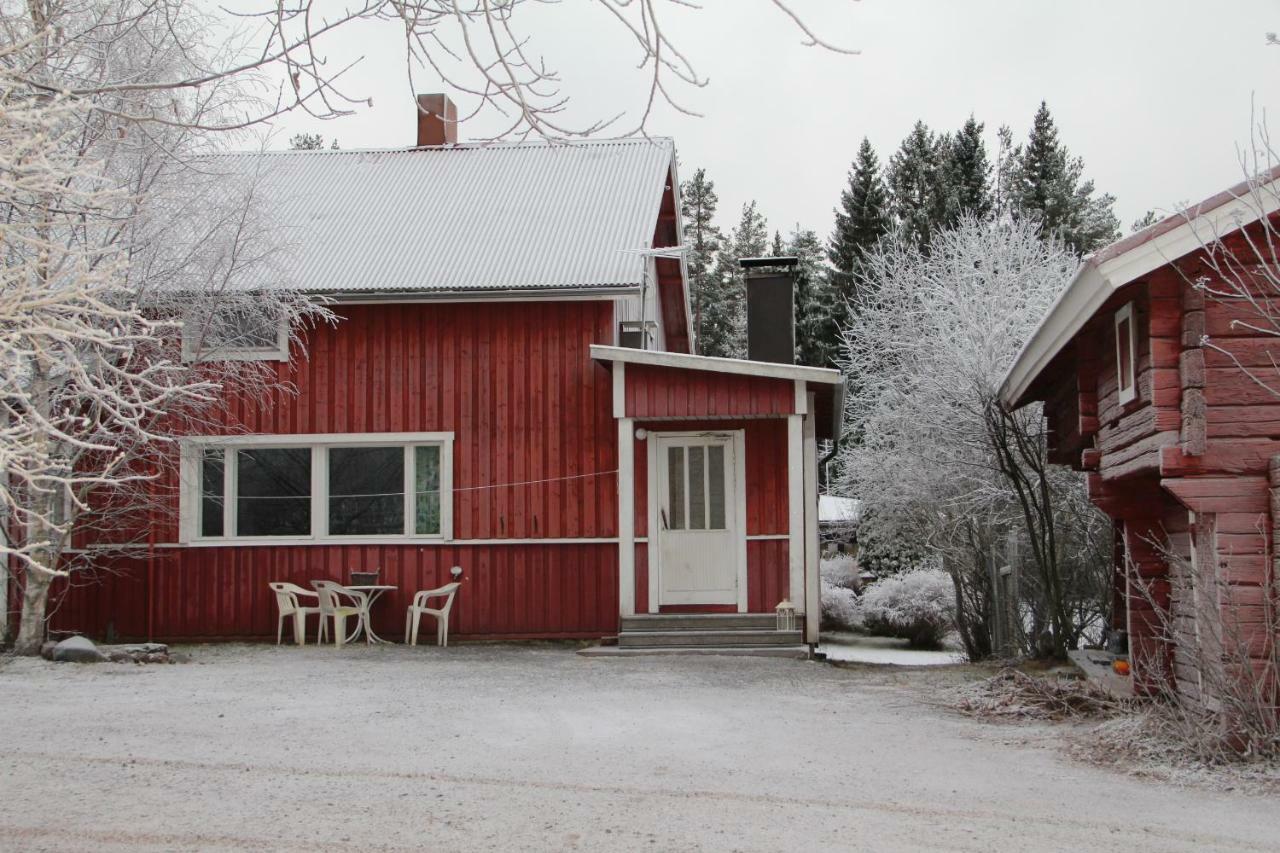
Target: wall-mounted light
<point x="642" y="434"/>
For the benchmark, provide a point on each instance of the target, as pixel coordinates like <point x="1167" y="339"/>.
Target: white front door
<point x="696" y="509"/>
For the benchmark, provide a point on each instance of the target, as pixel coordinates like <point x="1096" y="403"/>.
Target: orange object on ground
<point x="1120" y="666"/>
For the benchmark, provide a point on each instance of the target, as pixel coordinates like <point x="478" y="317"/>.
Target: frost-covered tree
<point x="1146" y="220"/>
<point x="916" y="185"/>
<point x="702" y="239"/>
<point x="862" y="218"/>
<point x="938" y="461"/>
<point x="1047" y="184"/>
<point x="119" y="236"/>
<point x="725" y="318"/>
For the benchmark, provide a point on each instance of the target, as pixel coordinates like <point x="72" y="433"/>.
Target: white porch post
<point x="813" y="593"/>
<point x="795" y="509"/>
<point x="626" y="518"/>
<point x="626" y="495"/>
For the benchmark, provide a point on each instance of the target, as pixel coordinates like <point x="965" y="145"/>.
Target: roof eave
<point x="1102" y="275"/>
<point x="714" y="364"/>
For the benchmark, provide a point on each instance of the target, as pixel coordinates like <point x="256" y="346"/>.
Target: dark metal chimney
<point x="437" y="120"/>
<point x="771" y="325"/>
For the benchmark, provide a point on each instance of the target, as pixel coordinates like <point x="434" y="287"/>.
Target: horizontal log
<point x="1244" y="421"/>
<point x="1230" y="386"/>
<point x="1090" y="458"/>
<point x="1126" y="430"/>
<point x="1225" y="456"/>
<point x="1244" y="352"/>
<point x="1142" y="455"/>
<point x="1241" y="522"/>
<point x="1220" y="494"/>
<point x="1165" y="352"/>
<point x="1193" y="328"/>
<point x="1192" y="299"/>
<point x="1191" y="368"/>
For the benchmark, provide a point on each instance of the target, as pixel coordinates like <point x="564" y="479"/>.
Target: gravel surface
<point x="536" y="748"/>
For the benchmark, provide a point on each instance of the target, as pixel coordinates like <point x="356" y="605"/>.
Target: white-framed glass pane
<point x="366" y="491"/>
<point x="1124" y="352"/>
<point x="426" y="487"/>
<point x="212" y="491"/>
<point x="697" y="489"/>
<point x="675" y="487"/>
<point x="273" y="491"/>
<point x="241" y="329"/>
<point x="715" y="487"/>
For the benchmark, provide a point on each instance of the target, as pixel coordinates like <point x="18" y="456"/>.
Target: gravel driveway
<point x="536" y="748"/>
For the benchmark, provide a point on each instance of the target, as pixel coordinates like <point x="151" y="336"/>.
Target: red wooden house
<point x="510" y="390"/>
<point x="1145" y="386"/>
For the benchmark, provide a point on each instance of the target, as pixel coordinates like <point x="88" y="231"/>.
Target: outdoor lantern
<point x="786" y="615"/>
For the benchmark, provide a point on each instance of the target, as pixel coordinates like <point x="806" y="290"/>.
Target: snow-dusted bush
<point x="841" y="570"/>
<point x="918" y="606"/>
<point x="841" y="610"/>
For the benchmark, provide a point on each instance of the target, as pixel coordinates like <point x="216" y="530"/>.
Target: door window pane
<point x="697" y="490"/>
<point x="426" y="486"/>
<point x="366" y="491"/>
<point x="212" y="497"/>
<point x="675" y="487"/>
<point x="273" y="496"/>
<point x="715" y="487"/>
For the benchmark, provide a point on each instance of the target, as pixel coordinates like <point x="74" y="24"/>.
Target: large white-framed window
<point x="1126" y="355"/>
<point x="235" y="334"/>
<point x="290" y="489"/>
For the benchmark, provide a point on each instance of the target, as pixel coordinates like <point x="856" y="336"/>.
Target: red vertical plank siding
<point x="767" y="574"/>
<point x="668" y="392"/>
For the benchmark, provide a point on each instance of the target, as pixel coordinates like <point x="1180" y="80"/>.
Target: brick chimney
<point x="437" y="120"/>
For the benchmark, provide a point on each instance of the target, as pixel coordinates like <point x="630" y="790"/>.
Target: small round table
<point x="374" y="592"/>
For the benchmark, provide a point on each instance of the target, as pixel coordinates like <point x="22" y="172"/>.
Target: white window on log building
<point x="1126" y="355"/>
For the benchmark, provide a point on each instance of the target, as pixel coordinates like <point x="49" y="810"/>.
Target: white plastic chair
<point x="333" y="610"/>
<point x="441" y="614"/>
<point x="287" y="595"/>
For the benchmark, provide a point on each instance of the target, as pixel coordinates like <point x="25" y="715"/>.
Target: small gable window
<point x="1126" y="355"/>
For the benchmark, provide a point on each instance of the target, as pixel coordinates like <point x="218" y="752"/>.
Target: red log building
<point x="1145" y="383"/>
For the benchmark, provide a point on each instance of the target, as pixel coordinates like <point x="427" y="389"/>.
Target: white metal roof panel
<point x="503" y="216"/>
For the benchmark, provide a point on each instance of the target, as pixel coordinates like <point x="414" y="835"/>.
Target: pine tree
<point x="724" y="318"/>
<point x="861" y="220"/>
<point x="915" y="185"/>
<point x="967" y="175"/>
<point x="698" y="202"/>
<point x="1047" y="183"/>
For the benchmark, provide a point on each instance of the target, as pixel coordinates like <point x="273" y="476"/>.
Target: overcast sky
<point x="1155" y="95"/>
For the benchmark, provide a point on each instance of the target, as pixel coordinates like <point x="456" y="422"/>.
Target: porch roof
<point x="723" y="387"/>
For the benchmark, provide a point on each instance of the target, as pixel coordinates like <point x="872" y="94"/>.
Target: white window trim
<point x="319" y="443"/>
<point x="280" y="352"/>
<point x="1127" y="395"/>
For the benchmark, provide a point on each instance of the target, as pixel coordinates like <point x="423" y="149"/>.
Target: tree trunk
<point x="35" y="598"/>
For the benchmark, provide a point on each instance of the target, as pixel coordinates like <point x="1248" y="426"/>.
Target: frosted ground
<point x="536" y="748"/>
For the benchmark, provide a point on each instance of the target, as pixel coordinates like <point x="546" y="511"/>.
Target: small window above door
<point x="1126" y="355"/>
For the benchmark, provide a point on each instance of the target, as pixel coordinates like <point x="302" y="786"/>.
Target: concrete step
<point x="739" y="637"/>
<point x="699" y="622"/>
<point x="796" y="652"/>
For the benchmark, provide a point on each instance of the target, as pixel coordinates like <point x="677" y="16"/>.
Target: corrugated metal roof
<point x="463" y="217"/>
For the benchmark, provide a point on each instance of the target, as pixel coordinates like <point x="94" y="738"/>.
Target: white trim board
<point x="738" y="366"/>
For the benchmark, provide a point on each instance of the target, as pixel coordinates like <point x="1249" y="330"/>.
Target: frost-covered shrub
<point x="841" y="610"/>
<point x="886" y="549"/>
<point x="841" y="570"/>
<point x="917" y="605"/>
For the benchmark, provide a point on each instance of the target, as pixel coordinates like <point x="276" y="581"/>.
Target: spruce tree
<point x="816" y="315"/>
<point x="703" y="239"/>
<point x="916" y="186"/>
<point x="1048" y="183"/>
<point x="861" y="220"/>
<point x="724" y="318"/>
<point x="967" y="175"/>
<point x="1145" y="221"/>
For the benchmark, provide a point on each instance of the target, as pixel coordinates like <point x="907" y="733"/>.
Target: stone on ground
<point x="77" y="650"/>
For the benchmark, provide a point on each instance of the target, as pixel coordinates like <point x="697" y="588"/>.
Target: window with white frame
<point x="237" y="333"/>
<point x="338" y="487"/>
<point x="1126" y="355"/>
